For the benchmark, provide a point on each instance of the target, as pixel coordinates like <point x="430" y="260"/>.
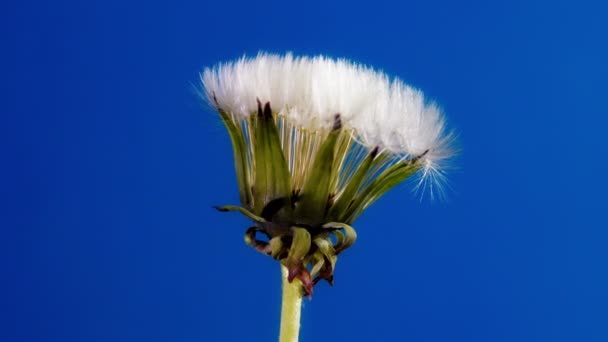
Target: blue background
<point x="111" y="163"/>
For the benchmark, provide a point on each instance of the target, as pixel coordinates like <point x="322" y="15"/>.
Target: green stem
<point x="290" y="309"/>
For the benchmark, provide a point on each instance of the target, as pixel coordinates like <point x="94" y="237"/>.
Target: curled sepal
<point x="300" y="246"/>
<point x="259" y="245"/>
<point x="340" y="238"/>
<point x="241" y="210"/>
<point x="277" y="247"/>
<point x="329" y="258"/>
<point x="317" y="261"/>
<point x="346" y="238"/>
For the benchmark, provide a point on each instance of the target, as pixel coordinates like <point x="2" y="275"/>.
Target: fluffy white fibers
<point x="309" y="91"/>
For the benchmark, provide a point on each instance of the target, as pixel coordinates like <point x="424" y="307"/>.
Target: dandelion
<point x="316" y="141"/>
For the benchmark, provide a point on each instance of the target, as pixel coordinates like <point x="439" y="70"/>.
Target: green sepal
<point x="272" y="177"/>
<point x="300" y="245"/>
<point x="241" y="210"/>
<point x="240" y="159"/>
<point x="388" y="179"/>
<point x="354" y="183"/>
<point x="315" y="192"/>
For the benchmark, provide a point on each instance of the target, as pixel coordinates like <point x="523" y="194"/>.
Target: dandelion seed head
<point x="309" y="91"/>
<point x="316" y="141"/>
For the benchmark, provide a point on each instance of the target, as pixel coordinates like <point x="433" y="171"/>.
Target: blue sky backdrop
<point x="110" y="164"/>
